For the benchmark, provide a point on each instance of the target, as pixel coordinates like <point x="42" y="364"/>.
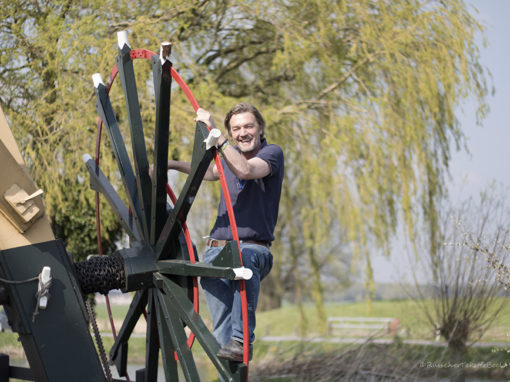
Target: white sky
<point x="489" y="158"/>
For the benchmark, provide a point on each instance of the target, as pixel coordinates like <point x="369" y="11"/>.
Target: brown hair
<point x="244" y="107"/>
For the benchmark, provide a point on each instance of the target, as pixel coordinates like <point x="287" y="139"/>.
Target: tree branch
<point x="342" y="79"/>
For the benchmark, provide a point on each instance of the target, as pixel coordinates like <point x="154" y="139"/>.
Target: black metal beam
<point x="151" y="340"/>
<point x="118" y="352"/>
<point x="167" y="347"/>
<point x="4" y="295"/>
<point x="229" y="256"/>
<point x="58" y="335"/>
<point x="128" y="81"/>
<point x="99" y="183"/>
<point x="178" y="338"/>
<point x="200" y="161"/>
<point x="175" y="299"/>
<point x="185" y="268"/>
<point x="21" y="373"/>
<point x="162" y="84"/>
<point x="107" y="115"/>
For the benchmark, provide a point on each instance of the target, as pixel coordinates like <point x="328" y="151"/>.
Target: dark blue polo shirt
<point x="255" y="201"/>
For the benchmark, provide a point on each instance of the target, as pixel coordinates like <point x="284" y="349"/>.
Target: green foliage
<point x="360" y="94"/>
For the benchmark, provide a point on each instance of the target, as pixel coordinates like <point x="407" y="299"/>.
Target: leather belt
<point x="222" y="243"/>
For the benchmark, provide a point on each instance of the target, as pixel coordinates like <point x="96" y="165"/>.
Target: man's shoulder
<point x="273" y="155"/>
<point x="272" y="149"/>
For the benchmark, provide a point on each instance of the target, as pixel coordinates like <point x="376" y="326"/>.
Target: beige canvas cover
<point x="22" y="215"/>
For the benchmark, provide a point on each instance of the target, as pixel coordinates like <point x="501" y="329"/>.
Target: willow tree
<point x="373" y="117"/>
<point x="360" y="94"/>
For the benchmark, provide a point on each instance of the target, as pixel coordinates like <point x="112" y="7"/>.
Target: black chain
<point x="99" y="341"/>
<point x="100" y="274"/>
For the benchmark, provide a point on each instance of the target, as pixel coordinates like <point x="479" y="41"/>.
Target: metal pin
<point x="29" y="197"/>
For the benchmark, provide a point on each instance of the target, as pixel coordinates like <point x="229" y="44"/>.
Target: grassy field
<point x="413" y="323"/>
<point x="270" y="356"/>
<point x="284" y="322"/>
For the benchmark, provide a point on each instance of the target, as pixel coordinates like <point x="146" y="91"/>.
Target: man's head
<point x="245" y="125"/>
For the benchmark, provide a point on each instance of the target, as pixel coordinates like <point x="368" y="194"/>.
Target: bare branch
<point x="342" y="79"/>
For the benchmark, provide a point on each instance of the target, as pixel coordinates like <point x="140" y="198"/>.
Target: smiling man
<point x="254" y="173"/>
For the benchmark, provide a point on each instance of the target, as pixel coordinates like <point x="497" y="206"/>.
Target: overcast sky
<point x="489" y="158"/>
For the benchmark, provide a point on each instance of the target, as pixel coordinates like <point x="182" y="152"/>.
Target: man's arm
<point x="243" y="168"/>
<point x="185" y="167"/>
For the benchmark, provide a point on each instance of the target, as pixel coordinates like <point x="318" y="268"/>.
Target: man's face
<point x="245" y="132"/>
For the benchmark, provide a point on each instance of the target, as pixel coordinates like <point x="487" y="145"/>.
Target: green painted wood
<point x="107" y="115"/>
<point x="200" y="161"/>
<point x="177" y="300"/>
<point x="178" y="338"/>
<point x="143" y="183"/>
<point x="151" y="340"/>
<point x="128" y="325"/>
<point x="99" y="183"/>
<point x="167" y="347"/>
<point x="162" y="85"/>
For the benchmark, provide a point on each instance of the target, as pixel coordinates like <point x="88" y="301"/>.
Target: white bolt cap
<point x="97" y="79"/>
<point x="243" y="273"/>
<point x="122" y="39"/>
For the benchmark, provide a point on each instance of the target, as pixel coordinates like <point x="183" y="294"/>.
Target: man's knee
<point x="258" y="260"/>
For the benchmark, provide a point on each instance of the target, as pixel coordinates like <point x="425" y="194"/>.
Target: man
<point x="254" y="174"/>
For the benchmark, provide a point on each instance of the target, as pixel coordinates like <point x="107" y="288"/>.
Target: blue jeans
<point x="224" y="298"/>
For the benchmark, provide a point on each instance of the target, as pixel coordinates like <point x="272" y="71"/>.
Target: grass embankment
<point x="413" y="323"/>
<point x="300" y="362"/>
<point x="327" y="361"/>
<point x="285" y="320"/>
<point x="273" y="356"/>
